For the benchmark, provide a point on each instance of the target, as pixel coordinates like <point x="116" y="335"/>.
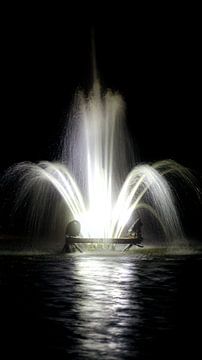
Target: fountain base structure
<point x="73" y="240"/>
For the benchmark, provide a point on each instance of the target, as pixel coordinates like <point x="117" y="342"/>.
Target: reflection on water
<point x="106" y="308"/>
<point x="99" y="307"/>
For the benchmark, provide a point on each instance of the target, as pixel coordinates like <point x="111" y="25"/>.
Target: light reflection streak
<point x="107" y="309"/>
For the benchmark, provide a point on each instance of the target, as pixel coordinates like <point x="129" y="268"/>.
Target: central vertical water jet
<point x="97" y="178"/>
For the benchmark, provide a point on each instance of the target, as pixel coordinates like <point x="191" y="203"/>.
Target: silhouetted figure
<point x="135" y="233"/>
<point x="135" y="230"/>
<point x="73" y="228"/>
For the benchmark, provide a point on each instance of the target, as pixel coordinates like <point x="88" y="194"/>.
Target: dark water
<point x="100" y="307"/>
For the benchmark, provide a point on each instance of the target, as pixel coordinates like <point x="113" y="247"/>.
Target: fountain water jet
<point x="96" y="181"/>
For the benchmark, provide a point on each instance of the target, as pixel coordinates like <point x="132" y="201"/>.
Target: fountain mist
<point x="96" y="181"/>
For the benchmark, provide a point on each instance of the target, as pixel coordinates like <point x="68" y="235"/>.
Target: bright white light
<point x="101" y="191"/>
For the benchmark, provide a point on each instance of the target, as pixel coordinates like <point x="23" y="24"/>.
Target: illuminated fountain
<point x="97" y="181"/>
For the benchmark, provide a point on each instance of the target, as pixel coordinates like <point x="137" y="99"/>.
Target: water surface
<point x="100" y="306"/>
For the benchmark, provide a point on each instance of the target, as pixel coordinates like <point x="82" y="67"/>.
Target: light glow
<point x="97" y="178"/>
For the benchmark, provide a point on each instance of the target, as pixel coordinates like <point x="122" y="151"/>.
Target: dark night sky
<point x="153" y="60"/>
<point x="155" y="65"/>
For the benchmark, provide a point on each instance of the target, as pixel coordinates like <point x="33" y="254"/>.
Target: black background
<point x="151" y="56"/>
